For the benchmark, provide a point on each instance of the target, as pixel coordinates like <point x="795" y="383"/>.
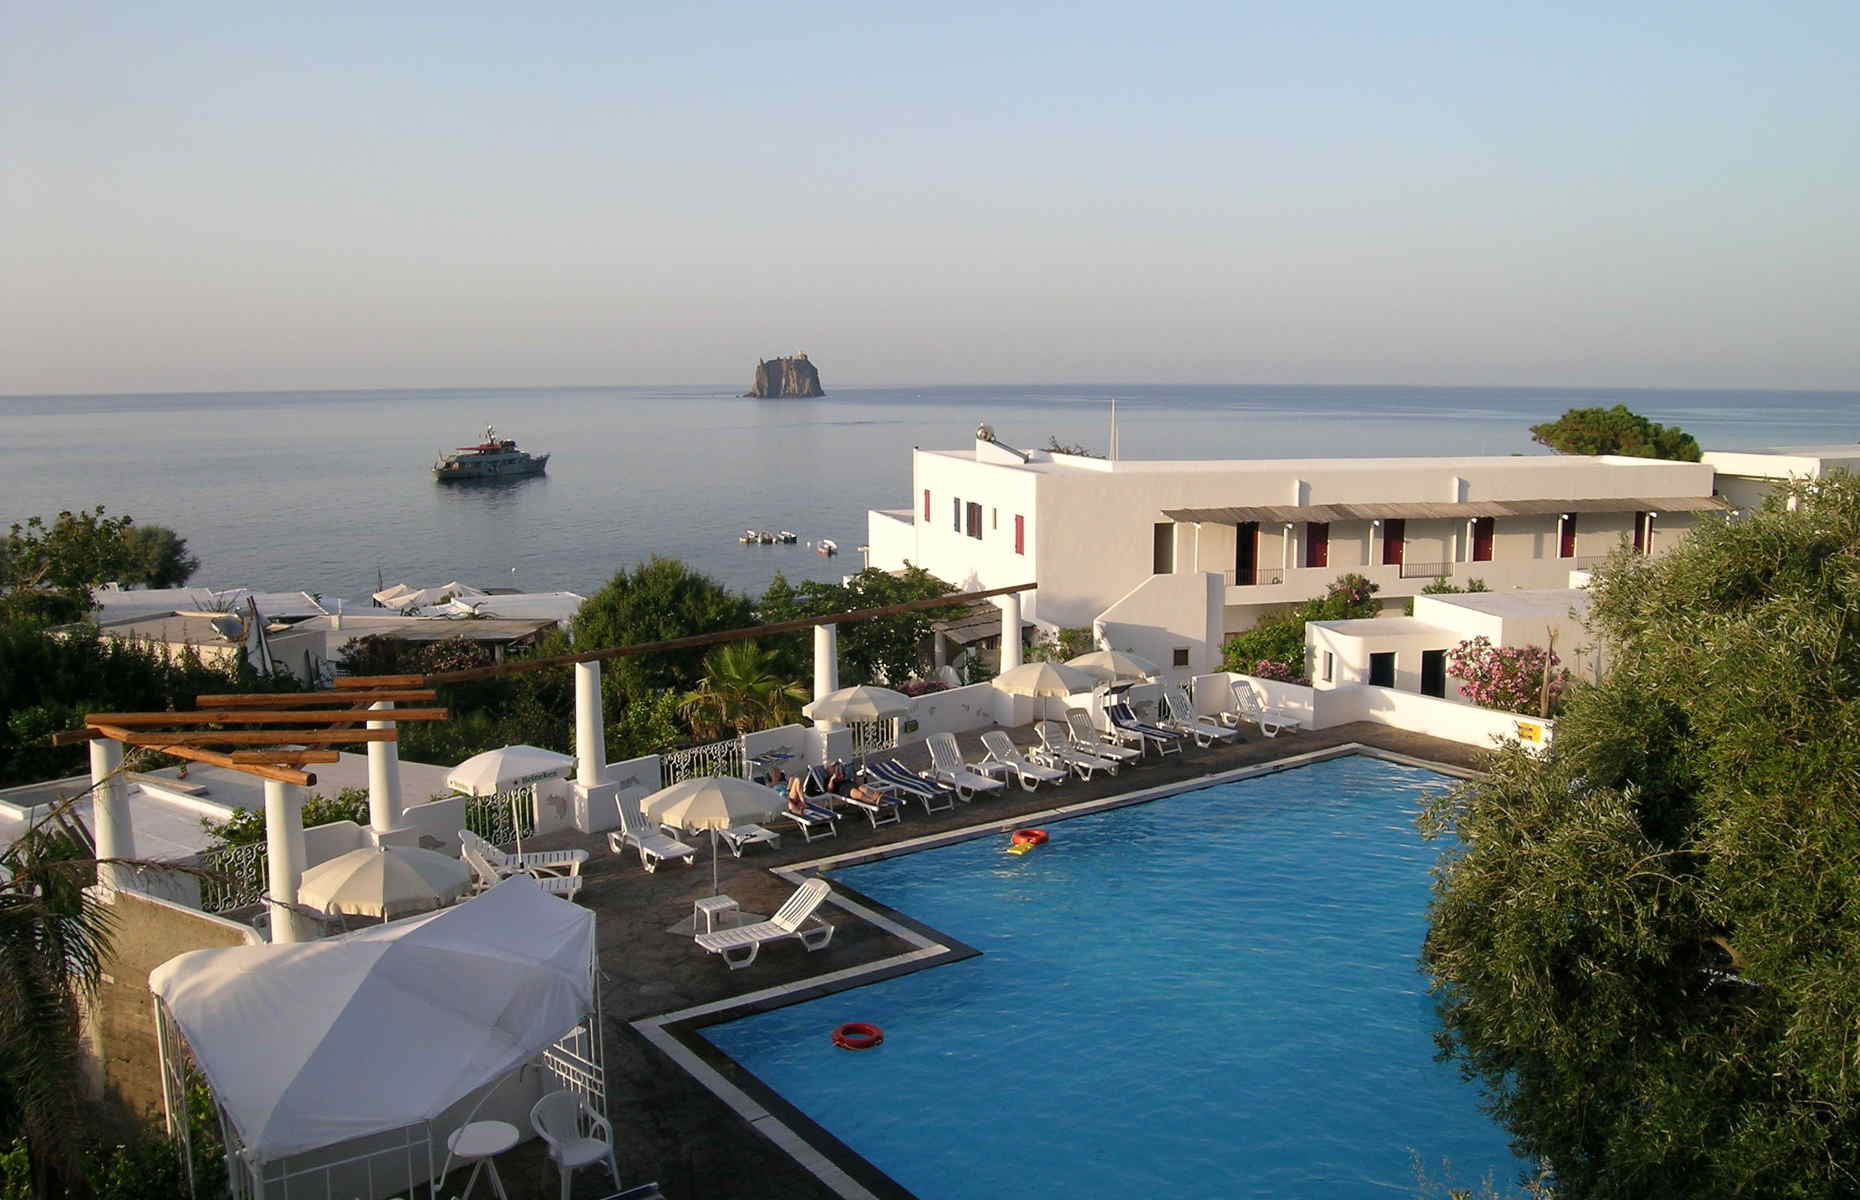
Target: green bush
<point x="247" y="826"/>
<point x="1279" y="637"/>
<point x="1445" y="587"/>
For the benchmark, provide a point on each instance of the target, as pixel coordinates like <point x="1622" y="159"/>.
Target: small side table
<point x="479" y="1143"/>
<point x="706" y="911"/>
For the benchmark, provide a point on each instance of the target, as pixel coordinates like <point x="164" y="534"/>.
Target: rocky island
<point x="786" y="377"/>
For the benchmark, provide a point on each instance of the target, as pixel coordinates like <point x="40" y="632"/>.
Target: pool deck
<point x="670" y="1127"/>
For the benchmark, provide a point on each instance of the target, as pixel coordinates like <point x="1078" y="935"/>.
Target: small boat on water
<point x="757" y="537"/>
<point x="826" y="546"/>
<point x="493" y="458"/>
<point x="787" y="537"/>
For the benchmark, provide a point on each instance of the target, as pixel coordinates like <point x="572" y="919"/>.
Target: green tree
<point x="1279" y="637"/>
<point x="1616" y="430"/>
<point x="49" y="569"/>
<point x="157" y="557"/>
<point x="54" y="939"/>
<point x="656" y="601"/>
<point x="1643" y="940"/>
<point x="1444" y="587"/>
<point x="1061" y="645"/>
<point x="742" y="690"/>
<point x="871" y="651"/>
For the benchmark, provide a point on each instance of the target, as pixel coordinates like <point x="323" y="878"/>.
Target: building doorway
<point x="1434" y="673"/>
<point x="1317" y="543"/>
<point x="1394" y="541"/>
<point x="1382" y="669"/>
<point x="1162" y="552"/>
<point x="1246" y="553"/>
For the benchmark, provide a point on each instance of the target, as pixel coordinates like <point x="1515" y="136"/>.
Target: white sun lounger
<point x="1105" y="743"/>
<point x="1184" y="718"/>
<point x="533" y="862"/>
<point x="793" y="921"/>
<point x="1122" y="716"/>
<point x="1002" y="749"/>
<point x="1056" y="749"/>
<point x="935" y="797"/>
<point x="946" y="766"/>
<point x="1271" y="721"/>
<point x="654" y="847"/>
<point x="885" y="811"/>
<point x="486" y="876"/>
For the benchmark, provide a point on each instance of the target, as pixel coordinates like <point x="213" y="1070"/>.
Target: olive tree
<point x="1644" y="942"/>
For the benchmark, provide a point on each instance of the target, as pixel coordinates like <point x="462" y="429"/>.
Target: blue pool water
<point x="1212" y="995"/>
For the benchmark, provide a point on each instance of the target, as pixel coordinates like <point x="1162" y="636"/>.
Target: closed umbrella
<point x="506" y="770"/>
<point x="1114" y="666"/>
<point x="385" y="882"/>
<point x="712" y="802"/>
<point x="1044" y="679"/>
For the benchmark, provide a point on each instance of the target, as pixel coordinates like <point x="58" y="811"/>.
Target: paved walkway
<point x="671" y="1129"/>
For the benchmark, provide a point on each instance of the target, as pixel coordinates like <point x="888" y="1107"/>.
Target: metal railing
<point x="712" y="758"/>
<point x="1426" y="570"/>
<point x="494" y="818"/>
<point x="871" y="737"/>
<point x="1257" y="577"/>
<point x="238" y="879"/>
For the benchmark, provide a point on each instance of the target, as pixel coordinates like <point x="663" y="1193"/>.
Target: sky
<point x="217" y="196"/>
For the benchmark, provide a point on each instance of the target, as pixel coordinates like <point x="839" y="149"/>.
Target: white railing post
<point x="114" y="834"/>
<point x="284" y="848"/>
<point x="383" y="776"/>
<point x="590" y="726"/>
<point x="1010" y="631"/>
<point x="826" y="660"/>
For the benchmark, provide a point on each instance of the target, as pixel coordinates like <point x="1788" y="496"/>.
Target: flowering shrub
<point x="921" y="687"/>
<point x="1267" y="668"/>
<point x="1279" y="637"/>
<point x="1507" y="678"/>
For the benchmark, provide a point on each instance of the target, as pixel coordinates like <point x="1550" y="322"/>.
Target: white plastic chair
<point x="576" y="1136"/>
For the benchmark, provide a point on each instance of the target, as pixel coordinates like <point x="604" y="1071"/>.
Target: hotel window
<point x="1482" y="530"/>
<point x="1330" y="667"/>
<point x="1020" y="534"/>
<point x="1317" y="543"/>
<point x="926" y="504"/>
<point x="1566" y="537"/>
<point x="955" y="505"/>
<point x="975" y="520"/>
<point x="1643" y="526"/>
<point x="1394" y="541"/>
<point x="1181" y="656"/>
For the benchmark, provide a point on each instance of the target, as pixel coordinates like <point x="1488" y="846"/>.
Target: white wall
<point x="324" y="842"/>
<point x="954" y="711"/>
<point x="1445" y="719"/>
<point x="626" y="783"/>
<point x="890" y="538"/>
<point x="1164" y="614"/>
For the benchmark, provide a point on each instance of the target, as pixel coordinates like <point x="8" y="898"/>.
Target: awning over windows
<point x="1416" y="510"/>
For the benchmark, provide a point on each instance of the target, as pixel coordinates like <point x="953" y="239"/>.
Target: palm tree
<point x="54" y="939"/>
<point x="741" y="691"/>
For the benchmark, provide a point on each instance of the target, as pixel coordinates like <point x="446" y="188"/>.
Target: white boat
<point x="787" y="537"/>
<point x="826" y="546"/>
<point x="493" y="458"/>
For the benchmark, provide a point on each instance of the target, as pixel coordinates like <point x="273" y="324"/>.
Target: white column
<point x="284" y="846"/>
<point x="383" y="776"/>
<point x="590" y="726"/>
<point x="110" y="807"/>
<point x="1010" y="631"/>
<point x="826" y="660"/>
<point x="939" y="650"/>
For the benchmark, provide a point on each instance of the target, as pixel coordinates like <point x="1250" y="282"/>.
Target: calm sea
<point x="326" y="491"/>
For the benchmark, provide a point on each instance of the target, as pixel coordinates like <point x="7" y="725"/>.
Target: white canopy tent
<point x="313" y="1045"/>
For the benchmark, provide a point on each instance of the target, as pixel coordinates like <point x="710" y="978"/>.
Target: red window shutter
<point x="926" y="504"/>
<point x="1020" y="534"/>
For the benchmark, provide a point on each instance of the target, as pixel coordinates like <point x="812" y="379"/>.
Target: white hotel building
<point x="1170" y="557"/>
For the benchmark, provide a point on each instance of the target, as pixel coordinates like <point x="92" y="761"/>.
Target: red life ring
<point x="857" y="1035"/>
<point x="1029" y="837"/>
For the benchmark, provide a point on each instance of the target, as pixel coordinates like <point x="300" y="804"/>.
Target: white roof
<point x="315" y="1044"/>
<point x="559" y="607"/>
<point x="1519" y="603"/>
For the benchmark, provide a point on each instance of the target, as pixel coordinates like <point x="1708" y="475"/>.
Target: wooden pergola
<point x="243" y="738"/>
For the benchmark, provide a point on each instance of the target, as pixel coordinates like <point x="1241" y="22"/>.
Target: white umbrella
<point x="385" y="882"/>
<point x="712" y="802"/>
<point x="1043" y="679"/>
<point x="1114" y="666"/>
<point x="506" y="770"/>
<point x="862" y="703"/>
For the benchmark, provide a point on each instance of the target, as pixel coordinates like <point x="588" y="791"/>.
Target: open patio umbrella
<point x="863" y="703"/>
<point x="1114" y="666"/>
<point x="712" y="802"/>
<point x="385" y="882"/>
<point x="1044" y="679"/>
<point x="506" y="770"/>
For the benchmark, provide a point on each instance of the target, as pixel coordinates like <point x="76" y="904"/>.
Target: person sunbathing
<point x="841" y="784"/>
<point x="801" y="806"/>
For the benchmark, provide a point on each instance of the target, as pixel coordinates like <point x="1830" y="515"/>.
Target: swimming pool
<point x="1215" y="994"/>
